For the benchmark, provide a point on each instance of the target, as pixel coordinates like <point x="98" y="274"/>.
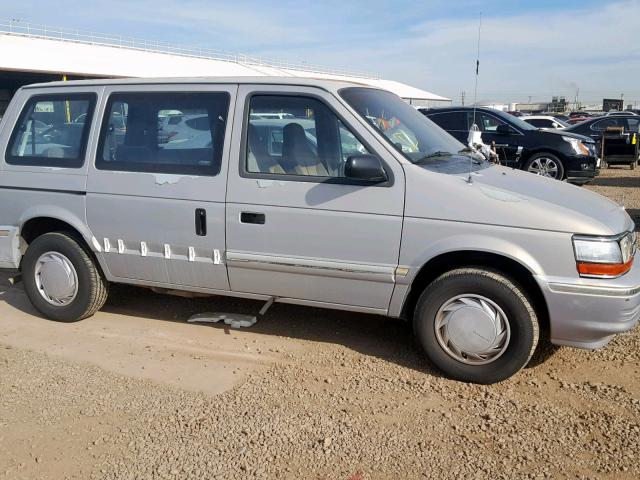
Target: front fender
<point x="473" y="243"/>
<point x="541" y="252"/>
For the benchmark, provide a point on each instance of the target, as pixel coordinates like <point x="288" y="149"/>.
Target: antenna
<point x="475" y="95"/>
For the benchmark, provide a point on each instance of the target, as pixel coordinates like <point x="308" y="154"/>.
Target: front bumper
<point x="580" y="168"/>
<point x="587" y="313"/>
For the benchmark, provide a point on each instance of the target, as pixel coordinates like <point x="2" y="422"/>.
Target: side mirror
<point x="504" y="129"/>
<point x="365" y="167"/>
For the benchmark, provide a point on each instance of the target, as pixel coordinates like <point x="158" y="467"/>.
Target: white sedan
<point x="545" y="121"/>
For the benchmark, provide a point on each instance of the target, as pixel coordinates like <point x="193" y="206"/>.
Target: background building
<point x="39" y="53"/>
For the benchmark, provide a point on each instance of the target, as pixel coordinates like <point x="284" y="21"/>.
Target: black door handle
<point x="252" y="217"/>
<point x="201" y="222"/>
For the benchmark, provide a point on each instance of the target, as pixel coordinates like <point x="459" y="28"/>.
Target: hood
<point x="565" y="133"/>
<point x="513" y="198"/>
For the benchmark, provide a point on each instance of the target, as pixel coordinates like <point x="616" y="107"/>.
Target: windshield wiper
<point x="438" y="154"/>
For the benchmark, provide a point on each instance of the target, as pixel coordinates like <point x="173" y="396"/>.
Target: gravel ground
<point x="347" y="397"/>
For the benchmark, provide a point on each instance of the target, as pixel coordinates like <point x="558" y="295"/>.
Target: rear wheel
<point x="476" y="325"/>
<point x="61" y="279"/>
<point x="546" y="165"/>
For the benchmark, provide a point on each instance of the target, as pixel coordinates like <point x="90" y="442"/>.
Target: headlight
<point x="604" y="257"/>
<point x="578" y="147"/>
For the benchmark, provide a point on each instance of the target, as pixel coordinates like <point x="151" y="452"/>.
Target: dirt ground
<point x="135" y="392"/>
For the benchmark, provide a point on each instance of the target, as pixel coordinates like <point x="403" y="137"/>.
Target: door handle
<point x="201" y="222"/>
<point x="252" y="217"/>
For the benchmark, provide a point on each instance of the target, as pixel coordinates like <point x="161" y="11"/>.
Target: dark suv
<point x="556" y="154"/>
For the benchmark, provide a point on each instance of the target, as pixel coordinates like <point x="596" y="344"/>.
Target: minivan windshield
<point x="411" y="133"/>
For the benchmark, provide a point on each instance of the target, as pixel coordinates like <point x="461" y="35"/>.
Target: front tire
<point x="546" y="165"/>
<point x="476" y="325"/>
<point x="61" y="279"/>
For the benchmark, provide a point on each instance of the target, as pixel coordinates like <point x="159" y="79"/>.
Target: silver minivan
<point x="306" y="191"/>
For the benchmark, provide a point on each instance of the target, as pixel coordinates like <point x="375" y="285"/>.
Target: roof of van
<point x="327" y="84"/>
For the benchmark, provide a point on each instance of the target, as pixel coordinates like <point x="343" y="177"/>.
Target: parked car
<point x="545" y="121"/>
<point x="559" y="116"/>
<point x="619" y="133"/>
<point x="184" y="126"/>
<point x="521" y="145"/>
<point x="355" y="201"/>
<point x="623" y="113"/>
<point x="577" y="117"/>
<point x="595" y="126"/>
<point x="579" y="113"/>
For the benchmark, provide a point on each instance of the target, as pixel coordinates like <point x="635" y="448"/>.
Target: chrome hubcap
<point x="56" y="279"/>
<point x="472" y="329"/>
<point x="545" y="167"/>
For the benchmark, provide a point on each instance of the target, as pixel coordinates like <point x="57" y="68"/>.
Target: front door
<point x="296" y="227"/>
<point x="508" y="142"/>
<point x="155" y="200"/>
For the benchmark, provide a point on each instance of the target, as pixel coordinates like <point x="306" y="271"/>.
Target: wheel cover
<point x="56" y="279"/>
<point x="472" y="329"/>
<point x="544" y="166"/>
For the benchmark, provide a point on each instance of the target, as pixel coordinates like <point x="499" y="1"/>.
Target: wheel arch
<point x="35" y="224"/>
<point x="513" y="268"/>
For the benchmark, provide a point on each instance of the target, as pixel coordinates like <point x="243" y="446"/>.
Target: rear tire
<point x="476" y="325"/>
<point x="61" y="279"/>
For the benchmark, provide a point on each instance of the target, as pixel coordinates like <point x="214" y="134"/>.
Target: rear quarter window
<point x="52" y="131"/>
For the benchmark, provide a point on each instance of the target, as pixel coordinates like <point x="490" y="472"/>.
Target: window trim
<point x="169" y="169"/>
<point x="41" y="161"/>
<point x="242" y="167"/>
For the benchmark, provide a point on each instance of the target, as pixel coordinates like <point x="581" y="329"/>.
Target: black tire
<point x="503" y="292"/>
<point x="551" y="157"/>
<point x="92" y="287"/>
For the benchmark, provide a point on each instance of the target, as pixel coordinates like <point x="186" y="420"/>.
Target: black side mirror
<point x="366" y="168"/>
<point x="504" y="129"/>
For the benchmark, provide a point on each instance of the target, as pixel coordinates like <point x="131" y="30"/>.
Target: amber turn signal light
<point x="605" y="269"/>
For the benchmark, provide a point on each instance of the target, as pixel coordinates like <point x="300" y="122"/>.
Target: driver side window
<point x="488" y="123"/>
<point x="297" y="136"/>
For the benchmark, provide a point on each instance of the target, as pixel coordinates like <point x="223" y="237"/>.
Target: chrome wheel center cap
<point x="56" y="279"/>
<point x="472" y="329"/>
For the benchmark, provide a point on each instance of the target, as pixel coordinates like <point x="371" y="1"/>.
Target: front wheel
<point x="476" y="325"/>
<point x="545" y="165"/>
<point x="61" y="279"/>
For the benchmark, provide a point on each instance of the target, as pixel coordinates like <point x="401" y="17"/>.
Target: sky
<point x="536" y="49"/>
